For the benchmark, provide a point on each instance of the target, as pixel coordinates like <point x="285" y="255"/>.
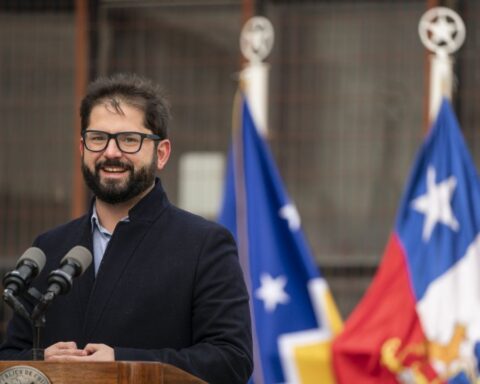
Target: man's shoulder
<point x="191" y="220"/>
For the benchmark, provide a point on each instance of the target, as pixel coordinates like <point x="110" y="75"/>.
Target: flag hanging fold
<point x="419" y="321"/>
<point x="294" y="316"/>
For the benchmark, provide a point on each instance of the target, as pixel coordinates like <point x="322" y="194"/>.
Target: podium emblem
<point x="23" y="374"/>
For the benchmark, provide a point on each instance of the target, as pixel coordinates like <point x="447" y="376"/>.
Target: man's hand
<point x="99" y="352"/>
<point x="68" y="351"/>
<point x="62" y="351"/>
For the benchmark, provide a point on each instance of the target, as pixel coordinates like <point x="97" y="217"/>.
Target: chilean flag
<point x="419" y="321"/>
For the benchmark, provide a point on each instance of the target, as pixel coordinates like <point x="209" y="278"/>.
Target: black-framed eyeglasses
<point x="127" y="142"/>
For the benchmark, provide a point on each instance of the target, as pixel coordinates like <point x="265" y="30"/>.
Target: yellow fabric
<point x="314" y="363"/>
<point x="332" y="314"/>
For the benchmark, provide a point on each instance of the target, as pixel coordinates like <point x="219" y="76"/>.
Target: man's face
<point x="117" y="177"/>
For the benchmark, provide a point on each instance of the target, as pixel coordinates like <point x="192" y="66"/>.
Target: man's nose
<point x="112" y="149"/>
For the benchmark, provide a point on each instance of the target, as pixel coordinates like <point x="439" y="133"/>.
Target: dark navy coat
<point x="169" y="289"/>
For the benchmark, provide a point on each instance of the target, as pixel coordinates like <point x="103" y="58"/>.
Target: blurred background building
<point x="348" y="109"/>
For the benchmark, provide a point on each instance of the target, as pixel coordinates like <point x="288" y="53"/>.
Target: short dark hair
<point x="133" y="90"/>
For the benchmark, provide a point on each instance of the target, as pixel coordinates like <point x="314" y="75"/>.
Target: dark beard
<point x="112" y="193"/>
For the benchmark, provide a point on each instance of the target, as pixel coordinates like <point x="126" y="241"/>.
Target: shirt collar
<point x="95" y="223"/>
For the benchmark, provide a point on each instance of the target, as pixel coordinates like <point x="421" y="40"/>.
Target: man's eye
<point x="97" y="138"/>
<point x="130" y="139"/>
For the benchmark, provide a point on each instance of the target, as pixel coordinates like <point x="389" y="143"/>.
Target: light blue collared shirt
<point x="101" y="238"/>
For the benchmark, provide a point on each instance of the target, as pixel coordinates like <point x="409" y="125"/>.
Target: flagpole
<point x="442" y="31"/>
<point x="256" y="42"/>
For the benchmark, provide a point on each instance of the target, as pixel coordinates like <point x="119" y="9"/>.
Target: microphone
<point x="60" y="281"/>
<point x="29" y="265"/>
<point x="73" y="264"/>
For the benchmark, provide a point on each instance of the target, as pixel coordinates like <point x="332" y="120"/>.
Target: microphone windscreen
<point x="35" y="255"/>
<point x="81" y="255"/>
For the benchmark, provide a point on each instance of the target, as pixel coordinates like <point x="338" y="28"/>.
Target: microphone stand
<point x="38" y="322"/>
<point x="36" y="319"/>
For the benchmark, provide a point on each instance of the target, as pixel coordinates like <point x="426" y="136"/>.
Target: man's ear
<point x="81" y="147"/>
<point x="163" y="153"/>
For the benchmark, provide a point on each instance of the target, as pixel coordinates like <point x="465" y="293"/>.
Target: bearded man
<point x="165" y="285"/>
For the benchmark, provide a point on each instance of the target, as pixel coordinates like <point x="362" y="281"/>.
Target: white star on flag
<point x="435" y="204"/>
<point x="289" y="212"/>
<point x="272" y="291"/>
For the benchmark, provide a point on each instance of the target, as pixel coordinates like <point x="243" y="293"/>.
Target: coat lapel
<point x="83" y="285"/>
<point x="119" y="253"/>
<point x="115" y="260"/>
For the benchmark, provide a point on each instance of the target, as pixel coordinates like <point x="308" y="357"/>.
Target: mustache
<point x="113" y="163"/>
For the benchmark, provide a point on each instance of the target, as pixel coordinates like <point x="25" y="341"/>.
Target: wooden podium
<point x="118" y="372"/>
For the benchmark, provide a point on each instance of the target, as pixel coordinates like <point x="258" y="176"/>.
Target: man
<point x="165" y="285"/>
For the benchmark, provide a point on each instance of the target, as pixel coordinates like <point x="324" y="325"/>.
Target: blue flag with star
<point x="294" y="315"/>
